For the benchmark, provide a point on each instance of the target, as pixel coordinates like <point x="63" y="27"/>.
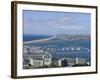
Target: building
<point x="69" y="61"/>
<point x="47" y="59"/>
<point x="35" y="49"/>
<point x="36" y="62"/>
<point x="26" y="49"/>
<point x="81" y="61"/>
<point x="72" y="61"/>
<point x="40" y="59"/>
<point x="37" y="57"/>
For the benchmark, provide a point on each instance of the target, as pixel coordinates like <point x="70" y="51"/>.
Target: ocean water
<point x="33" y="37"/>
<point x="55" y="44"/>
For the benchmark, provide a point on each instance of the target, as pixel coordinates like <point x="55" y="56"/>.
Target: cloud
<point x="56" y="25"/>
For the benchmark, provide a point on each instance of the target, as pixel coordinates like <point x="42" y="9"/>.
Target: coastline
<point x="39" y="40"/>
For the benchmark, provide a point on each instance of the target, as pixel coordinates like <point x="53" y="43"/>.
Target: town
<point x="40" y="57"/>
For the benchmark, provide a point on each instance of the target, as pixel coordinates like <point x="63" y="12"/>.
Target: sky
<point x="53" y="23"/>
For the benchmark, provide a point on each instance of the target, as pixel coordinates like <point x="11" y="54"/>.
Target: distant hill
<point x="61" y="37"/>
<point x="72" y="37"/>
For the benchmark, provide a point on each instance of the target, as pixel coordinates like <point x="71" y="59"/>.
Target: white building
<point x="38" y="57"/>
<point x="81" y="61"/>
<point x="35" y="49"/>
<point x="36" y="62"/>
<point x="72" y="61"/>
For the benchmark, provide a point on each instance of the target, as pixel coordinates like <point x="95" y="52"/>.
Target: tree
<point x="64" y="63"/>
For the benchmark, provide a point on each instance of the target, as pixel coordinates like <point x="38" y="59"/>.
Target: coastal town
<point x="53" y="39"/>
<point x="41" y="57"/>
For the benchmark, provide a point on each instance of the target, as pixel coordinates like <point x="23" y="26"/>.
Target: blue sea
<point x="62" y="43"/>
<point x="34" y="37"/>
